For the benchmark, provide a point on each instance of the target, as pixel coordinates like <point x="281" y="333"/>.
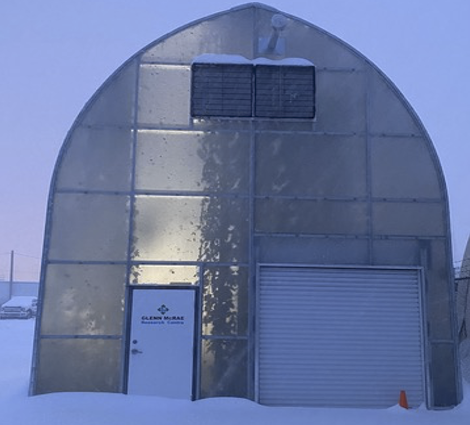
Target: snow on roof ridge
<point x="215" y="58"/>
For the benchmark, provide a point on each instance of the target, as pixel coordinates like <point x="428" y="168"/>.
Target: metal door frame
<point x="196" y="331"/>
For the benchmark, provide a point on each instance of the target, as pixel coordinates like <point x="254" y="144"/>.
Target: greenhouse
<point x="249" y="208"/>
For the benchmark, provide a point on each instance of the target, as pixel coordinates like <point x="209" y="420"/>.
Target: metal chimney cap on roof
<point x="278" y="22"/>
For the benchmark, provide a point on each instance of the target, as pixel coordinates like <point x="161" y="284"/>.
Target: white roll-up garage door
<point x="339" y="336"/>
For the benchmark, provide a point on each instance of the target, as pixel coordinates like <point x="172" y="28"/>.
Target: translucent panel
<point x="164" y="275"/>
<point x="114" y="103"/>
<point x="84" y="299"/>
<point x="313" y="250"/>
<point x="388" y="112"/>
<point x="403" y="167"/>
<point x="410" y="219"/>
<point x="440" y="287"/>
<point x="340" y="101"/>
<point x="396" y="252"/>
<point x="303" y="164"/>
<point x="164" y="95"/>
<point x="97" y="158"/>
<point x="89" y="227"/>
<point x="224" y="368"/>
<point x="78" y="365"/>
<point x="225" y="301"/>
<point x="190" y="229"/>
<point x="307" y="217"/>
<point x="234" y="36"/>
<point x="193" y="161"/>
<point x="262" y="124"/>
<point x="443" y="373"/>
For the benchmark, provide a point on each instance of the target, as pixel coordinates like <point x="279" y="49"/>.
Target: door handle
<point x="136" y="351"/>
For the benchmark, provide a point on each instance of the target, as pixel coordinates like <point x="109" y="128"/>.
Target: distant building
<point x="248" y="207"/>
<point x="17" y="288"/>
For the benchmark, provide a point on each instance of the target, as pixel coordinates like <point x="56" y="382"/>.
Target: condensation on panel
<point x="408" y="219"/>
<point x="164" y="95"/>
<point x="193" y="161"/>
<point x="340" y="101"/>
<point x="89" y="227"/>
<point x="78" y="365"/>
<point x="190" y="229"/>
<point x="225" y="301"/>
<point x="144" y="274"/>
<point x="310" y="165"/>
<point x="224" y="368"/>
<point x="388" y="113"/>
<point x="97" y="159"/>
<point x="299" y="216"/>
<point x="114" y="104"/>
<point x="84" y="299"/>
<point x="403" y="167"/>
<point x="226" y="34"/>
<point x="313" y="250"/>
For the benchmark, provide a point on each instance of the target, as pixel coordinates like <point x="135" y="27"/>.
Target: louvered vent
<point x="285" y="91"/>
<point x="253" y="90"/>
<point x="223" y="90"/>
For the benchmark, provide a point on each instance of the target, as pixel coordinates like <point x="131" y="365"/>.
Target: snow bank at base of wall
<point x="118" y="409"/>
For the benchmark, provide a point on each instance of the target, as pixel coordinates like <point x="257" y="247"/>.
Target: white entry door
<point x="161" y="344"/>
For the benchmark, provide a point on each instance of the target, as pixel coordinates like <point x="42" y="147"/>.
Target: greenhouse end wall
<point x="145" y="194"/>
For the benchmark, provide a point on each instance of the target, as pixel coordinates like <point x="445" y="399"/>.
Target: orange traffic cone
<point x="403" y="400"/>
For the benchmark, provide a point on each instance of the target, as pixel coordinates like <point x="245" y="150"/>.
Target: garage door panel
<point x="339" y="337"/>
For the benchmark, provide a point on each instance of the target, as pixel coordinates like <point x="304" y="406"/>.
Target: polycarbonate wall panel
<point x="97" y="159"/>
<point x="84" y="299"/>
<point x="164" y="95"/>
<point x="311" y="217"/>
<point x="115" y="104"/>
<point x="89" y="227"/>
<point x="440" y="296"/>
<point x="79" y="365"/>
<point x="224" y="368"/>
<point x="190" y="229"/>
<point x="305" y="250"/>
<point x="235" y="36"/>
<point x="396" y="251"/>
<point x="408" y="219"/>
<point x="192" y="161"/>
<point x="143" y="274"/>
<point x="387" y="111"/>
<point x="341" y="101"/>
<point x="402" y="168"/>
<point x="225" y="301"/>
<point x="444" y="384"/>
<point x="333" y="166"/>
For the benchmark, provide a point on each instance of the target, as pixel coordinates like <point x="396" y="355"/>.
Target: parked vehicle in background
<point x="20" y="307"/>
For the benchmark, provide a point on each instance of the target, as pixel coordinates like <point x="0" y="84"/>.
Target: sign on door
<point x="161" y="345"/>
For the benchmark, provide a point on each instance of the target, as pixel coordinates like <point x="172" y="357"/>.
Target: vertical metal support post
<point x="12" y="267"/>
<point x="127" y="283"/>
<point x="370" y="224"/>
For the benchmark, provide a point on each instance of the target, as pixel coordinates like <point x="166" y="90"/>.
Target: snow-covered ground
<point x="118" y="409"/>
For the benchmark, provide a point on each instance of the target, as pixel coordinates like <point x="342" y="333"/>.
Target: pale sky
<point x="56" y="53"/>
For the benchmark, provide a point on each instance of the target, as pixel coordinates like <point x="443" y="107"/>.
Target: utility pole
<point x="12" y="266"/>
